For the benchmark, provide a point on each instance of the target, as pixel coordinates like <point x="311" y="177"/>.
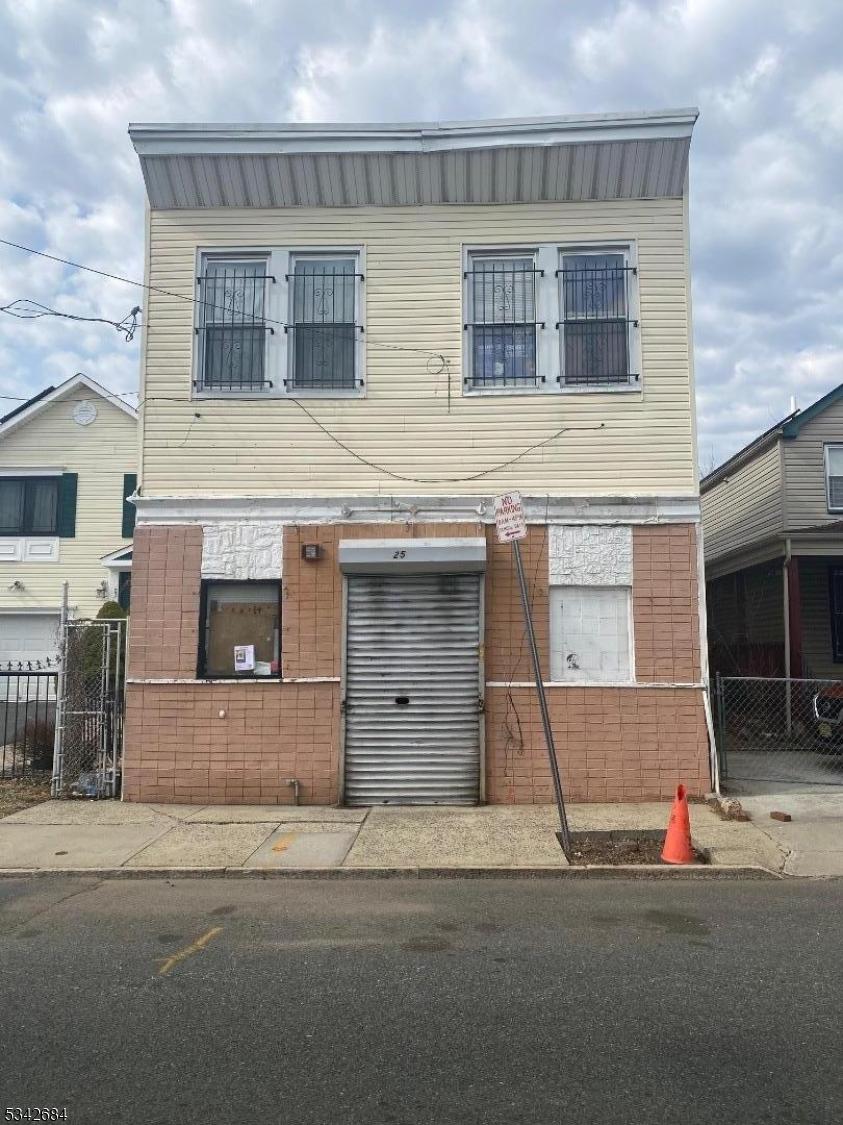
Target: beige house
<point x="356" y="336"/>
<point x="68" y="462"/>
<point x="773" y="522"/>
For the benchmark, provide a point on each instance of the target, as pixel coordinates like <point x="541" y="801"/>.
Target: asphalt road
<point x="392" y="1002"/>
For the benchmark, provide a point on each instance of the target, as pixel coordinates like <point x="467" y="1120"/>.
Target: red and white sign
<point x="509" y="517"/>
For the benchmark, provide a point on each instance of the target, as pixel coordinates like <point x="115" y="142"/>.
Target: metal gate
<point x="779" y="730"/>
<point x="412" y="689"/>
<point x="27" y="717"/>
<point x="89" y="712"/>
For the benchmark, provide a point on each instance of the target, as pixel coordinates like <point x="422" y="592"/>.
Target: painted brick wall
<point x="164" y="628"/>
<point x="613" y="744"/>
<point x="665" y="603"/>
<point x="179" y="748"/>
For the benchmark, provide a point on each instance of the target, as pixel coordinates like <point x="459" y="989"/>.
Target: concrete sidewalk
<point x="812" y="841"/>
<point x="110" y="836"/>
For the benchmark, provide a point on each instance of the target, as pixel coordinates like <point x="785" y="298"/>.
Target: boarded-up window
<point x="589" y="633"/>
<point x="241" y="629"/>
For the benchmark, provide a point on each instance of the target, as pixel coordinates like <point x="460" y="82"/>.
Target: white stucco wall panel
<point x="242" y="551"/>
<point x="590" y="555"/>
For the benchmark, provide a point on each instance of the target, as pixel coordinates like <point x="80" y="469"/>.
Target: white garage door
<point x="28" y="637"/>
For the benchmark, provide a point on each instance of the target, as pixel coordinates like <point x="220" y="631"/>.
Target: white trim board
<point x="75" y="382"/>
<point x="400" y="509"/>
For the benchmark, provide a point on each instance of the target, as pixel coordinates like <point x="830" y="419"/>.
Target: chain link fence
<point x="89" y="718"/>
<point x="781" y="730"/>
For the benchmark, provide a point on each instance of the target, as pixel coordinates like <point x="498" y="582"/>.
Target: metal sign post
<point x="512" y="527"/>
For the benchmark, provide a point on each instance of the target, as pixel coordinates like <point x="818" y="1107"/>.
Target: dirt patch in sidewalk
<point x="612" y="850"/>
<point x="18" y="793"/>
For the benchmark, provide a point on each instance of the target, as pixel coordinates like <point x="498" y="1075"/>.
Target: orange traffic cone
<point x="677" y="842"/>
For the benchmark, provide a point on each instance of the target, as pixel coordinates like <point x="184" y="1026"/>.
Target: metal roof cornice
<point x="414" y="137"/>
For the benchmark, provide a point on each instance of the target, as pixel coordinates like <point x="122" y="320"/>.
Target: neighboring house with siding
<point x="68" y="461"/>
<point x="356" y="336"/>
<point x="773" y="524"/>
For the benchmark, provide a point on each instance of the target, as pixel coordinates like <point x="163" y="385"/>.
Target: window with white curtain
<point x="590" y="633"/>
<point x="834" y="477"/>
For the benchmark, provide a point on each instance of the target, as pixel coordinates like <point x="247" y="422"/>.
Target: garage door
<point x="412" y="689"/>
<point x="28" y="637"/>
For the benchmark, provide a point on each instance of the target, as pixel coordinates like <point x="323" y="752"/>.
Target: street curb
<point x="628" y="871"/>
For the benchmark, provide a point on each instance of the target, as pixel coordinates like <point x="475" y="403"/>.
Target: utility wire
<point x="383" y="345"/>
<point x="440" y="480"/>
<point x="27" y="309"/>
<point x="445" y="365"/>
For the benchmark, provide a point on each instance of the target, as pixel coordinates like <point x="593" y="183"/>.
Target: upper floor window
<point x="29" y="505"/>
<point x="323" y="324"/>
<point x="279" y="321"/>
<point x="596" y="323"/>
<point x="502" y="320"/>
<point x="232" y="327"/>
<point x="834" y="477"/>
<point x="551" y="318"/>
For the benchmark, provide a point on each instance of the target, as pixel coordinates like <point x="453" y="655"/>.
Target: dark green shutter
<point x="67" y="505"/>
<point x="130" y="483"/>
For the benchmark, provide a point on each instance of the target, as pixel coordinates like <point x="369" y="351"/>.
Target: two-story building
<point x="356" y="336"/>
<point x="68" y="461"/>
<point x="773" y="521"/>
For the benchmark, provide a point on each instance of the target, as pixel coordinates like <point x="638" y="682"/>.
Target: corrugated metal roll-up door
<point x="412" y="700"/>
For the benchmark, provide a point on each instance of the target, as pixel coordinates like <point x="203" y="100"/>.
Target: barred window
<point x="502" y="320"/>
<point x="323" y="323"/>
<point x="596" y="319"/>
<point x="232" y="329"/>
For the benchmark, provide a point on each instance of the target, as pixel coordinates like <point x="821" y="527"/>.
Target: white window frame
<point x="544" y="311"/>
<point x="629" y="251"/>
<point x="277" y="313"/>
<point x="552" y="613"/>
<point x="548" y="256"/>
<point x="827" y="448"/>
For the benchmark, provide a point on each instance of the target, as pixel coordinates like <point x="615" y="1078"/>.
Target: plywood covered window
<point x="240" y="634"/>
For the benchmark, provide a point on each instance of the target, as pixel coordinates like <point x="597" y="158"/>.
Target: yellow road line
<point x="188" y="951"/>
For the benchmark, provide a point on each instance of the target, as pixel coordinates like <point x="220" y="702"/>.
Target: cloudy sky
<point x="767" y="155"/>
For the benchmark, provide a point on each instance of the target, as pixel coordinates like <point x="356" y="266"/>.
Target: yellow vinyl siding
<point x="414" y="418"/>
<point x="746" y="507"/>
<point x="100" y="454"/>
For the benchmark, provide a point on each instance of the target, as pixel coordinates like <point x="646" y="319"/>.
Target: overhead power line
<point x="27" y="309"/>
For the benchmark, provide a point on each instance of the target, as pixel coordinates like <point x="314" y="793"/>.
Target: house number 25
<point x="399" y="554"/>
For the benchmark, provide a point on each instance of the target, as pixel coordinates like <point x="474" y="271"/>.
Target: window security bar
<point x="232" y="328"/>
<point x="501" y="272"/>
<point x="324" y="273"/>
<point x="600" y="293"/>
<point x="203" y="278"/>
<point x="504" y="324"/>
<point x="237" y="385"/>
<point x="596" y="321"/>
<point x="328" y="326"/>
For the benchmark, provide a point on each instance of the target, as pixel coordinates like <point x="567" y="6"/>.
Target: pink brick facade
<point x="221" y="742"/>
